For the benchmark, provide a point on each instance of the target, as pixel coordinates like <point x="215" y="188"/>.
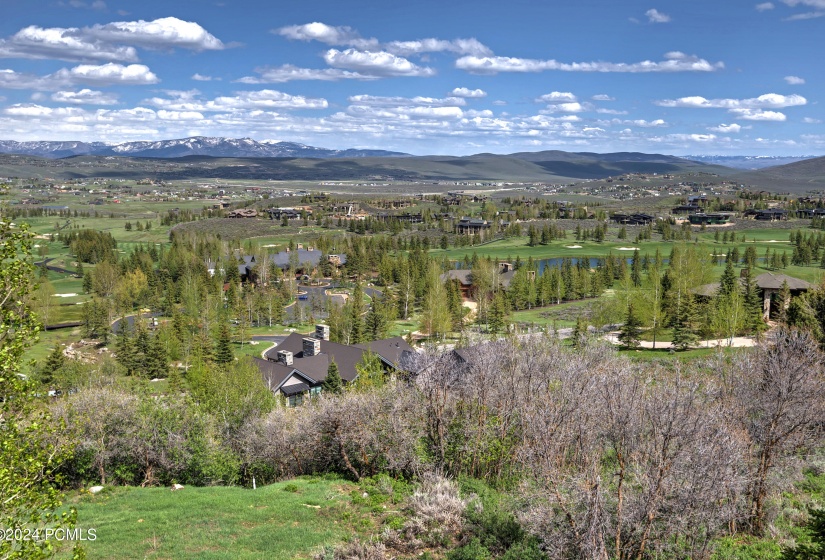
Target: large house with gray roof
<point x="296" y="368"/>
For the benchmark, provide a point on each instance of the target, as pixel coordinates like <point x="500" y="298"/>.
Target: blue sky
<point x="424" y="77"/>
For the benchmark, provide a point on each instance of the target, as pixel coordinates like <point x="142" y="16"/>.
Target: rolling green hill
<point x="549" y="166"/>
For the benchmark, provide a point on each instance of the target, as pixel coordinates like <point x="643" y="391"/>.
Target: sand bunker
<point x="65" y="295"/>
<point x="626" y="249"/>
<point x="573" y="246"/>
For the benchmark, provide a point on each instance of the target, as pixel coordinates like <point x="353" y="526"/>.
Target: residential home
<point x="296" y="368"/>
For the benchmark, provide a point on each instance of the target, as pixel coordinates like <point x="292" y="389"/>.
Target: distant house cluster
<point x="303" y="259"/>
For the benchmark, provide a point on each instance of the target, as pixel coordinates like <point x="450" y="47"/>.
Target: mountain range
<point x="194" y="146"/>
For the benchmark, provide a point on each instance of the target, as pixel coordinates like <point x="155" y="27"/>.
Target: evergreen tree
<point x="579" y="333"/>
<point x="223" y="349"/>
<point x="53" y="364"/>
<point x="498" y="314"/>
<point x="631" y="330"/>
<point x="754" y="304"/>
<point x="356" y="311"/>
<point x="124" y="348"/>
<point x="727" y="284"/>
<point x="784" y="297"/>
<point x="686" y="327"/>
<point x="636" y="269"/>
<point x="332" y="383"/>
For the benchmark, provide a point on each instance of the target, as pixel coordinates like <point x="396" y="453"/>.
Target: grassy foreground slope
<point x="285" y="520"/>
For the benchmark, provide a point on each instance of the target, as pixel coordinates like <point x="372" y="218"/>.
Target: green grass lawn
<point x="290" y="519"/>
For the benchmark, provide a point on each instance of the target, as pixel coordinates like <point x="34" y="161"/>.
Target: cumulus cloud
<point x="557" y="97"/>
<point x="376" y="100"/>
<point x="603" y="97"/>
<point x="655" y="16"/>
<point x="610" y="112"/>
<point x="62" y="44"/>
<point x="321" y="32"/>
<point x="343" y="36"/>
<point x="726" y="128"/>
<point x="759" y="115"/>
<point x="112" y="42"/>
<point x="289" y="73"/>
<point x="380" y="63"/>
<point x="163" y="33"/>
<point x="85" y="97"/>
<point x="809" y="120"/>
<point x="674" y="62"/>
<point x="794" y="80"/>
<point x="190" y="101"/>
<point x="393" y="113"/>
<point x="572" y="107"/>
<point x="103" y="75"/>
<point x="457" y="46"/>
<point x="201" y="78"/>
<point x="766" y="101"/>
<point x="467" y="92"/>
<point x="764" y="6"/>
<point x="110" y="74"/>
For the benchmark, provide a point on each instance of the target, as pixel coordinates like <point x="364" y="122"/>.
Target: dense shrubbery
<point x="607" y="457"/>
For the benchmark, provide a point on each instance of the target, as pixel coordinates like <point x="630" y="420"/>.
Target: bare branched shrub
<point x="776" y="396"/>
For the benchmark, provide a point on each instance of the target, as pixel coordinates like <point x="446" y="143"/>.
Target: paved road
<point x="54" y="268"/>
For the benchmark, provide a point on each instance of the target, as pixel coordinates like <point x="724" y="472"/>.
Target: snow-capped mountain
<point x="194" y="146"/>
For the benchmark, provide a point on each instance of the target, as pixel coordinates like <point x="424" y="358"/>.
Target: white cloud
<point x="201" y="78"/>
<point x="189" y="101"/>
<point x="103" y="75"/>
<point x="817" y="5"/>
<point x="179" y="115"/>
<point x="469" y="93"/>
<point x="766" y="101"/>
<point x="648" y="124"/>
<point x="759" y="115"/>
<point x="392" y="113"/>
<point x="726" y="128"/>
<point x="655" y="16"/>
<point x="499" y="102"/>
<point x="163" y="33"/>
<point x="809" y="120"/>
<point x="289" y="73"/>
<point x="603" y="97"/>
<point x="375" y="100"/>
<point x="556" y="97"/>
<point x="610" y="112"/>
<point x="674" y="62"/>
<point x="80" y="4"/>
<point x="572" y="107"/>
<point x="85" y="97"/>
<point x="337" y="36"/>
<point x="343" y="36"/>
<point x="794" y="80"/>
<point x="62" y="44"/>
<point x="764" y="6"/>
<point x="109" y="74"/>
<point x="457" y="46"/>
<point x="378" y="63"/>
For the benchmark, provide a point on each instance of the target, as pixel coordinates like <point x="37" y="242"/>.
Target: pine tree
<point x="356" y="310"/>
<point x="631" y="330"/>
<point x="636" y="269"/>
<point x="727" y="283"/>
<point x="223" y="349"/>
<point x="579" y="333"/>
<point x="332" y="383"/>
<point x="686" y="327"/>
<point x="53" y="364"/>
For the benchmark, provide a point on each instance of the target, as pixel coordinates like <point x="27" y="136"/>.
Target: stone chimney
<point x="322" y="332"/>
<point x="285" y="357"/>
<point x="312" y="347"/>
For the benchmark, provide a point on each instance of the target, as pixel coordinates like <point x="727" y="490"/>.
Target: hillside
<point x="798" y="177"/>
<point x="551" y="166"/>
